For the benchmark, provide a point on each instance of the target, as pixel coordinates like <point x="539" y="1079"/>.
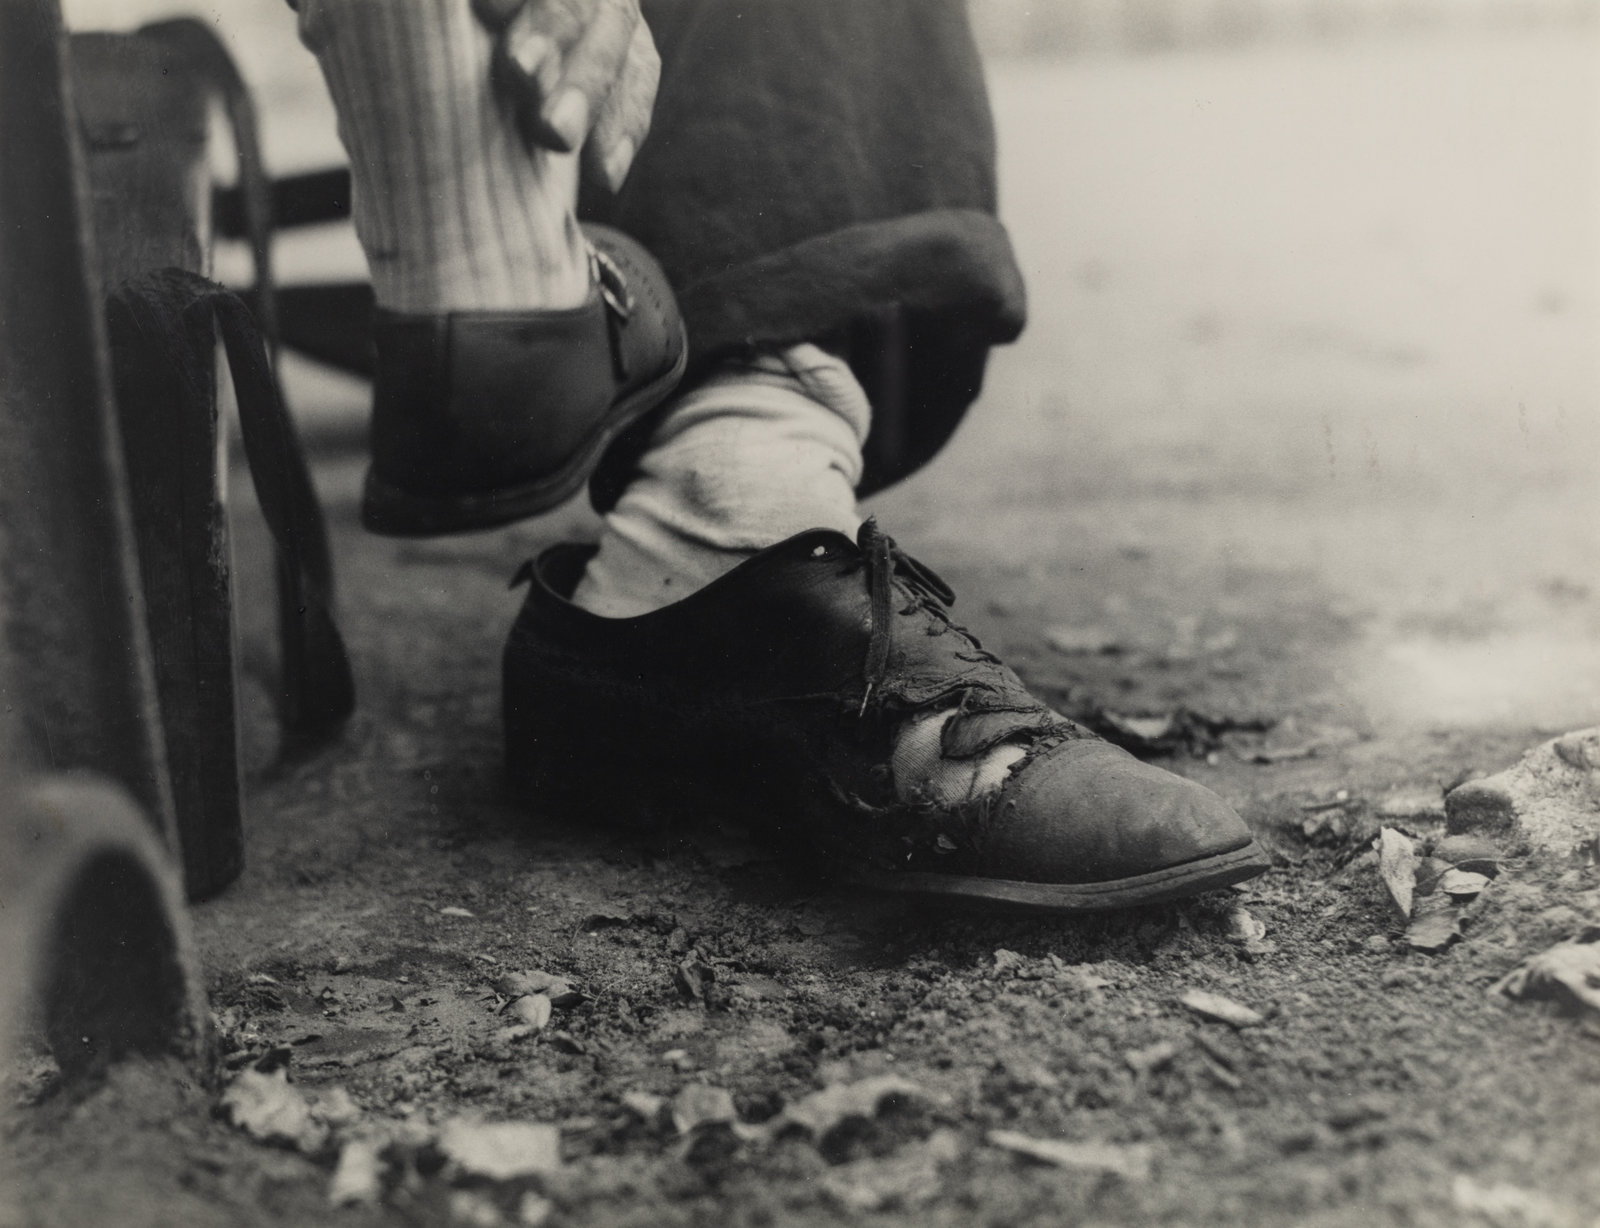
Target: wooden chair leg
<point x="145" y="115"/>
<point x="75" y="663"/>
<point x="93" y="937"/>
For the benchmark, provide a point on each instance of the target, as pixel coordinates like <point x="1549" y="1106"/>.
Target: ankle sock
<point x="764" y="449"/>
<point x="455" y="212"/>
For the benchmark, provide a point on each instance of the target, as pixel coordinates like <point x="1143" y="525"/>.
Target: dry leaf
<point x="1397" y="864"/>
<point x="1151" y="1057"/>
<point x="700" y="1104"/>
<point x="500" y="1151"/>
<point x="906" y="1180"/>
<point x="823" y="1112"/>
<point x="1243" y="926"/>
<point x="693" y="977"/>
<point x="1435" y="924"/>
<point x="356" y="1179"/>
<point x="533" y="1009"/>
<point x="1462" y="883"/>
<point x="1568" y="972"/>
<point x="557" y="988"/>
<point x="1085" y="640"/>
<point x="1223" y="1010"/>
<point x="1009" y="961"/>
<point x="533" y="1211"/>
<point x="1472" y="853"/>
<point x="267" y="1107"/>
<point x="646" y="1105"/>
<point x="1131" y="1161"/>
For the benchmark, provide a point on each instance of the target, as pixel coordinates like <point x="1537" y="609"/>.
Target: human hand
<point x="579" y="73"/>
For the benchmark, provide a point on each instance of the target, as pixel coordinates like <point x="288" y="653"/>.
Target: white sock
<point x="455" y="212"/>
<point x="761" y="451"/>
<point x="764" y="449"/>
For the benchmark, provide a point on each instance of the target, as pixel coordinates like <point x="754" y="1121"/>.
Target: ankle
<point x="759" y="452"/>
<point x="453" y="209"/>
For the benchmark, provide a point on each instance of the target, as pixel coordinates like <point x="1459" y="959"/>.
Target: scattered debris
<point x="1223" y="1010"/>
<point x="1152" y="1057"/>
<point x="1130" y="1161"/>
<point x="821" y="1113"/>
<point x="1568" y="972"/>
<point x="1086" y="640"/>
<point x="1431" y="893"/>
<point x="700" y="1104"/>
<point x="1471" y="853"/>
<point x="558" y="989"/>
<point x="357" y="1179"/>
<point x="1425" y="805"/>
<point x="533" y="1009"/>
<point x="601" y="921"/>
<point x="1462" y="883"/>
<point x="1580" y="750"/>
<point x="1009" y="961"/>
<point x="500" y="1151"/>
<point x="1397" y="864"/>
<point x="1167" y="733"/>
<point x="1291" y="739"/>
<point x="1328" y="825"/>
<point x="646" y="1105"/>
<point x="694" y="978"/>
<point x="1507" y="1206"/>
<point x="266" y="1106"/>
<point x="1429" y="871"/>
<point x="1551" y="796"/>
<point x="752" y="988"/>
<point x="472" y="1209"/>
<point x="1243" y="926"/>
<point x="906" y="1180"/>
<point x="533" y="1211"/>
<point x="1435" y="924"/>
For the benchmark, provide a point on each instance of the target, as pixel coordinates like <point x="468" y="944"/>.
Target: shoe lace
<point x="885" y="563"/>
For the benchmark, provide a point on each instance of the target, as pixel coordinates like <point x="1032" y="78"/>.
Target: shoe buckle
<point x="611" y="283"/>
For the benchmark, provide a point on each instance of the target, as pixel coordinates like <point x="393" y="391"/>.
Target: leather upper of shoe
<point x="807" y="659"/>
<point x="466" y="402"/>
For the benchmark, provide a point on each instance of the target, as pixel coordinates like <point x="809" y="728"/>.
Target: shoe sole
<point x="391" y="511"/>
<point x="1174" y="882"/>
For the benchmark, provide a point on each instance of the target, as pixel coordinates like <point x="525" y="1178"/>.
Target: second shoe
<point x="780" y="694"/>
<point x="484" y="418"/>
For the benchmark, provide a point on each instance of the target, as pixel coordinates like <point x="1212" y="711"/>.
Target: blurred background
<point x="1313" y="288"/>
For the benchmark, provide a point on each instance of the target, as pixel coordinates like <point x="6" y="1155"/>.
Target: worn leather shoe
<point x="779" y="691"/>
<point x="483" y="418"/>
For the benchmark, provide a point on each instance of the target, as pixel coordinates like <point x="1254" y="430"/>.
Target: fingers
<point x="593" y="66"/>
<point x="559" y="61"/>
<point x="624" y="118"/>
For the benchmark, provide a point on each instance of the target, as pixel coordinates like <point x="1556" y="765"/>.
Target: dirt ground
<point x="1300" y="450"/>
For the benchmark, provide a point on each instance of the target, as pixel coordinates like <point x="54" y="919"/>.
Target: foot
<point x="483" y="418"/>
<point x="804" y="688"/>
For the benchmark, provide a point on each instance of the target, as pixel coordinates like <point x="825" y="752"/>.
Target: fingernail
<point x="568" y="117"/>
<point x="529" y="50"/>
<point x="617" y="163"/>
